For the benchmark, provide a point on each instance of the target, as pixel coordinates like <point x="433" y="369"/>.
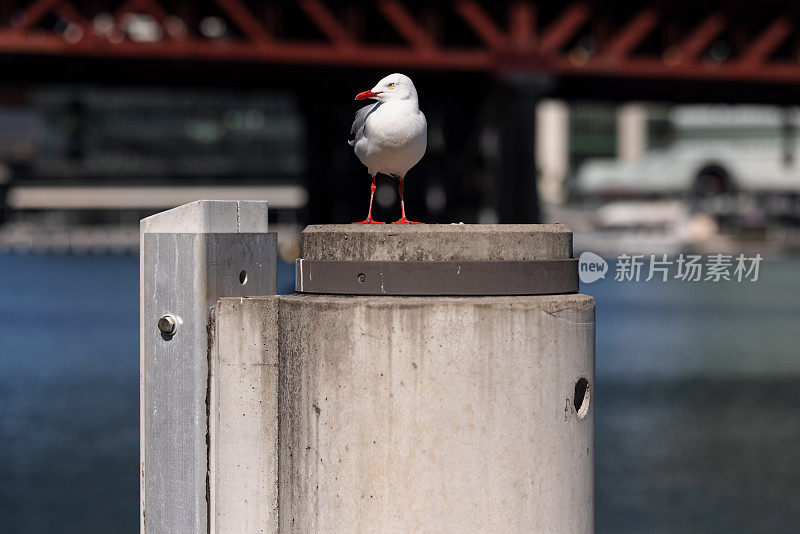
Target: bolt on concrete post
<point x="190" y="256"/>
<point x="417" y="413"/>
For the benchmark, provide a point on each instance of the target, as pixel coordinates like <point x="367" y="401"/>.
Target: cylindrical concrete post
<point x="436" y="414"/>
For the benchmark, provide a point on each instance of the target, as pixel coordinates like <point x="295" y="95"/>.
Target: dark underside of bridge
<point x="474" y="63"/>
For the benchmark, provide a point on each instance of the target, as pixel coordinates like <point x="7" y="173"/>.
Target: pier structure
<point x="405" y="387"/>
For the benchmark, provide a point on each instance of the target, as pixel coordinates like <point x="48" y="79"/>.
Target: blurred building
<point x="112" y="110"/>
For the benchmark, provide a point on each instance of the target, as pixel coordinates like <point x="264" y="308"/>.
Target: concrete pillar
<point x="416" y="414"/>
<point x="631" y="131"/>
<point x="190" y="257"/>
<point x="243" y="417"/>
<point x="552" y="149"/>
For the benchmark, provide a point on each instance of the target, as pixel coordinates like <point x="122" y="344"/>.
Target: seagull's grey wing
<point x="357" y="130"/>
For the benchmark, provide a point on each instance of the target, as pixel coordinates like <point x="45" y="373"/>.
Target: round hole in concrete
<point x="582" y="398"/>
<point x="362" y="277"/>
<point x="243" y="277"/>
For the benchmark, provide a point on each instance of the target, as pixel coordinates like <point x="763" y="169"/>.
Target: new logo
<point x="591" y="267"/>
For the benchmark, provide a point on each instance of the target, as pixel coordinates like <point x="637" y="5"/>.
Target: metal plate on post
<point x="534" y="277"/>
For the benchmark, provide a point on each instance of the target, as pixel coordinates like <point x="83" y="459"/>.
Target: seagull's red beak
<point x="366" y="94"/>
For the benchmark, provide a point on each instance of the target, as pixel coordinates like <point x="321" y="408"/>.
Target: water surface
<point x="696" y="401"/>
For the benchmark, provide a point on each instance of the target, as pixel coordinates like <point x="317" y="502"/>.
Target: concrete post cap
<point x="437" y="242"/>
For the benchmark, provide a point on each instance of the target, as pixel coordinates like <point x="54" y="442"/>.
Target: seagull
<point x="391" y="135"/>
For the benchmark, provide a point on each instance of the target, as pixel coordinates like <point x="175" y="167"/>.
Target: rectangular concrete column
<point x="190" y="256"/>
<point x="631" y="131"/>
<point x="406" y="413"/>
<point x="243" y="416"/>
<point x="552" y="149"/>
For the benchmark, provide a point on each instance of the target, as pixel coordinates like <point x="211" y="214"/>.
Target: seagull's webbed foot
<point x="403" y="219"/>
<point x="369" y="220"/>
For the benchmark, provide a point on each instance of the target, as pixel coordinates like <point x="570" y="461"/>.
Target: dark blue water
<point x="69" y="383"/>
<point x="698" y="405"/>
<point x="697" y="400"/>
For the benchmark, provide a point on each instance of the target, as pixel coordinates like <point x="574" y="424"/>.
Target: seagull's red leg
<point x="369" y="219"/>
<point x="403" y="219"/>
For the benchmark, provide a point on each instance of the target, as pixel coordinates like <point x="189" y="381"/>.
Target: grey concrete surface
<point x="435" y="414"/>
<point x="190" y="257"/>
<point x="210" y="216"/>
<point x="412" y="414"/>
<point x="243" y="423"/>
<point x="437" y="242"/>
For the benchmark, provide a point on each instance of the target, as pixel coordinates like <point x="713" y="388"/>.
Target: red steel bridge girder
<point x="516" y="39"/>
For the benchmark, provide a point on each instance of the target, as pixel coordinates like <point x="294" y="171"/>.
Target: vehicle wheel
<point x="712" y="181"/>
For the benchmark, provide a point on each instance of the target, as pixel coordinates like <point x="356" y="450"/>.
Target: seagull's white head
<point x="392" y="88"/>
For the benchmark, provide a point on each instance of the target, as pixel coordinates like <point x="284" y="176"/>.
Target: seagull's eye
<point x="391" y="85"/>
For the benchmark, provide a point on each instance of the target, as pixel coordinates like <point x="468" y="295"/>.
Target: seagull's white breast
<point x="395" y="138"/>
